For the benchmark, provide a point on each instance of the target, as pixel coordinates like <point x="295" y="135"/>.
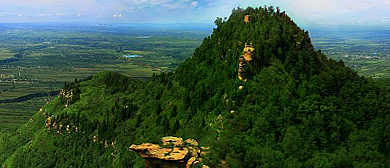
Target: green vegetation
<point x="297" y="109"/>
<point x="36" y="60"/>
<point x="6" y="54"/>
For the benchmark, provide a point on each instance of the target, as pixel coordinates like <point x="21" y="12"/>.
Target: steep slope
<point x="296" y="107"/>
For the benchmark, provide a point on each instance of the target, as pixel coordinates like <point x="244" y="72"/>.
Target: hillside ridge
<point x="295" y="108"/>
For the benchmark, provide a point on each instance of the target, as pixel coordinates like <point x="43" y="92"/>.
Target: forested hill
<point x="255" y="92"/>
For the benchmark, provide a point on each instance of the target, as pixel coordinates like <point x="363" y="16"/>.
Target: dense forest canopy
<point x="297" y="107"/>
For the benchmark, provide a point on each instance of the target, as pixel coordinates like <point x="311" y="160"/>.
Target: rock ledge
<point x="174" y="153"/>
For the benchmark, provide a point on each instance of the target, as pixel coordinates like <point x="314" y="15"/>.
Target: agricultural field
<point x="6" y="54"/>
<point x="13" y="115"/>
<point x="38" y="59"/>
<point x="365" y="50"/>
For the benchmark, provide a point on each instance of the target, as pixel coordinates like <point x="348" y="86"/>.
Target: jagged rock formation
<point x="245" y="58"/>
<point x="70" y="93"/>
<point x="244" y="61"/>
<point x="66" y="96"/>
<point x="248" y="50"/>
<point x="174" y="153"/>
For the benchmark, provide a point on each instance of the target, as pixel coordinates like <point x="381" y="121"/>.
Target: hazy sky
<point x="304" y="12"/>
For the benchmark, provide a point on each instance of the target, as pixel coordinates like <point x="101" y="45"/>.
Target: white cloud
<point x="136" y="9"/>
<point x="158" y="2"/>
<point x="213" y="9"/>
<point x="194" y="4"/>
<point x="334" y="12"/>
<point x="138" y="1"/>
<point x="100" y="16"/>
<point x="8" y="14"/>
<point x="385" y="20"/>
<point x="117" y="15"/>
<point x="310" y="12"/>
<point x="169" y="4"/>
<point x="337" y="12"/>
<point x="63" y="14"/>
<point x="44" y="14"/>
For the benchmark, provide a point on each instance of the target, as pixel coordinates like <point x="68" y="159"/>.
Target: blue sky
<point x="304" y="12"/>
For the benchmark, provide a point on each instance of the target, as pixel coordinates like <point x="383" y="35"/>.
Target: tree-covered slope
<point x="297" y="108"/>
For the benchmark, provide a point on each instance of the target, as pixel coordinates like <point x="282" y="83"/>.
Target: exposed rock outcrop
<point x="174" y="153"/>
<point x="247" y="53"/>
<point x="244" y="61"/>
<point x="66" y="96"/>
<point x="70" y="93"/>
<point x="245" y="58"/>
<point x="172" y="141"/>
<point x="52" y="125"/>
<point x="247" y="18"/>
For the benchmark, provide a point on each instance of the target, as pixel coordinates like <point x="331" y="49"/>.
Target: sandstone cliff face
<point x="174" y="153"/>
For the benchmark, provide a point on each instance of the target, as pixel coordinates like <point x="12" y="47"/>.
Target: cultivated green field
<point x="13" y="115"/>
<point x="367" y="51"/>
<point x="40" y="59"/>
<point x="36" y="59"/>
<point x="6" y="54"/>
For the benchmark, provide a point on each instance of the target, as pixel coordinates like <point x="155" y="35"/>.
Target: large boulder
<point x="174" y="153"/>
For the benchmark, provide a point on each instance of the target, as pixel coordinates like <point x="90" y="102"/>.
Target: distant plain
<point x="365" y="50"/>
<point x="40" y="58"/>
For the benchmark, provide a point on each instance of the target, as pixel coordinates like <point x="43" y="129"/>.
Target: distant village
<point x="358" y="57"/>
<point x="374" y="57"/>
<point x="17" y="78"/>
